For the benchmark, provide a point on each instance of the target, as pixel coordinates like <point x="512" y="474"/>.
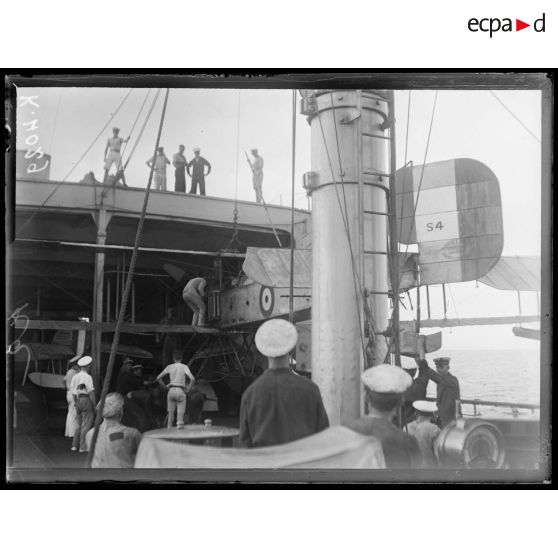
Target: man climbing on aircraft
<point x="114" y="157"/>
<point x="193" y="295"/>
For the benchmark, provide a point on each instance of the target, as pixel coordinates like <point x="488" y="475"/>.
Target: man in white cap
<point x="160" y="168"/>
<point x="71" y="416"/>
<point x="116" y="445"/>
<point x="257" y="174"/>
<point x="83" y="392"/>
<point x="385" y="388"/>
<point x="280" y="406"/>
<point x="424" y="431"/>
<point x="193" y="295"/>
<point x="113" y="155"/>
<point x="448" y="391"/>
<point x="198" y="173"/>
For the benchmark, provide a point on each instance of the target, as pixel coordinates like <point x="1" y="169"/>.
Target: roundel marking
<point x="267" y="301"/>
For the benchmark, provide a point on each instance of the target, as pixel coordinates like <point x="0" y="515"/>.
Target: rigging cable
<point x="291" y="279"/>
<point x="29" y="219"/>
<point x="235" y="212"/>
<point x="108" y="187"/>
<point x="143" y="126"/>
<point x="271" y="223"/>
<point x="412" y="227"/>
<point x="405" y="168"/>
<point x="55" y="121"/>
<point x="516" y="117"/>
<point x="125" y="296"/>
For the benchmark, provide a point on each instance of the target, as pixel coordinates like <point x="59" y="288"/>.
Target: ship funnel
<point x="349" y="184"/>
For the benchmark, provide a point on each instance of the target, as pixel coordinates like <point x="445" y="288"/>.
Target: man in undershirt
<point x="113" y="155"/>
<point x="178" y="389"/>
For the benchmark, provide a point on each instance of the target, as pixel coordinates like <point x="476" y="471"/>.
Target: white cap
<point x="386" y="378"/>
<point x="425" y="406"/>
<point x="74" y="359"/>
<point x="276" y="338"/>
<point x="196" y="149"/>
<point x="85" y="361"/>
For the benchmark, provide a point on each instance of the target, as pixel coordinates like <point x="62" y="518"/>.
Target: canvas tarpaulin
<point x="334" y="448"/>
<point x="271" y="267"/>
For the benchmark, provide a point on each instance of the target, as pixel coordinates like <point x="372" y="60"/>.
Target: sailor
<point x="193" y="295"/>
<point x="71" y="416"/>
<point x="83" y="393"/>
<point x="447" y="385"/>
<point x="417" y="391"/>
<point x="129" y="378"/>
<point x="114" y="157"/>
<point x="385" y="388"/>
<point x="178" y="389"/>
<point x="198" y="173"/>
<point x="160" y="168"/>
<point x="280" y="406"/>
<point x="425" y="431"/>
<point x="116" y="445"/>
<point x="179" y="162"/>
<point x="257" y="174"/>
<point x="127" y="364"/>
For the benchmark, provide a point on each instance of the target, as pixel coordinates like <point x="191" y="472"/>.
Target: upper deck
<point x="49" y="210"/>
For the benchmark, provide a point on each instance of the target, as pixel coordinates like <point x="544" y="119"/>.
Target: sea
<point x="507" y="375"/>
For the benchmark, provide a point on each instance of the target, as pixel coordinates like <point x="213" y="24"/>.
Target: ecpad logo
<point x="494" y="24"/>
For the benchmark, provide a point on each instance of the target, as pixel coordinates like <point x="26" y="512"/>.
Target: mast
<point x="349" y="184"/>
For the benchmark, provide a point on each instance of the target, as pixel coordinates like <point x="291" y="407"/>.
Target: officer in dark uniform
<point x="448" y="391"/>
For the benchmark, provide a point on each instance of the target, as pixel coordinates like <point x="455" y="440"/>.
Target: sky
<point x="225" y="123"/>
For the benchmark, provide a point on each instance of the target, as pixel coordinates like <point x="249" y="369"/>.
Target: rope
<point x="237" y="145"/>
<point x="126" y="294"/>
<point x="55" y="121"/>
<point x="421" y="176"/>
<point x="516" y="117"/>
<point x="291" y="279"/>
<point x="405" y="171"/>
<point x="75" y="164"/>
<point x="143" y="127"/>
<point x="271" y="222"/>
<point x="107" y="187"/>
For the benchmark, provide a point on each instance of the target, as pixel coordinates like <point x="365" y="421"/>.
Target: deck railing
<point x="484" y="403"/>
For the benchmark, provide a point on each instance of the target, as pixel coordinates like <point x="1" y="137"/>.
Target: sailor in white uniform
<point x="113" y="155"/>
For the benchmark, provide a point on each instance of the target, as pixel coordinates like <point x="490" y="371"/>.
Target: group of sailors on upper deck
<point x="197" y="168"/>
